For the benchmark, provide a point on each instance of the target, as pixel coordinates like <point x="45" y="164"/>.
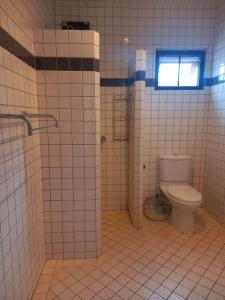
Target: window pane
<point x="222" y="72"/>
<point x="168" y="71"/>
<point x="189" y="71"/>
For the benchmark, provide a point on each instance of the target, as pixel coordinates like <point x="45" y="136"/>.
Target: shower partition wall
<point x="136" y="137"/>
<point x="69" y="88"/>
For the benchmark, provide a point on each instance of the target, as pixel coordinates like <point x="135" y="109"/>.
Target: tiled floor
<point x="155" y="262"/>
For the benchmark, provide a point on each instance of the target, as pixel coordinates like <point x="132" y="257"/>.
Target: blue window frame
<point x="179" y="69"/>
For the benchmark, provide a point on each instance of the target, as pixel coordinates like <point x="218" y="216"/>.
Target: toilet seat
<point x="184" y="194"/>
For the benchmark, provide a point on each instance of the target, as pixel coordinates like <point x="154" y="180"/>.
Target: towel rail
<point x="27" y="119"/>
<point x="41" y="116"/>
<point x="22" y="117"/>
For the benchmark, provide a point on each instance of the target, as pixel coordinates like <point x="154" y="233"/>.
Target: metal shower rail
<point x="27" y="119"/>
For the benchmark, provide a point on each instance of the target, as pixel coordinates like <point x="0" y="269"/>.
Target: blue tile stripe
<point x="139" y="75"/>
<point x="150" y="82"/>
<point x="116" y="82"/>
<point x="78" y="64"/>
<point x="123" y="82"/>
<point x="214" y="80"/>
<point x="46" y="63"/>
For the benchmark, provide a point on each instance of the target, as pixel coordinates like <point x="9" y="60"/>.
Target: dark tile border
<point x="78" y="64"/>
<point x="214" y="81"/>
<point x="140" y="75"/>
<point x="67" y="64"/>
<point x="11" y="45"/>
<point x="123" y="82"/>
<point x="46" y="63"/>
<point x="150" y="82"/>
<point x="116" y="82"/>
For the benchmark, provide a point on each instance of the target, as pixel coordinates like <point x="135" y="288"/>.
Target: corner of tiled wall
<point x="70" y="89"/>
<point x="136" y="137"/>
<point x="22" y="244"/>
<point x="214" y="190"/>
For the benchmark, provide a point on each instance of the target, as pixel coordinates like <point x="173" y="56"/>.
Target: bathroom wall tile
<point x="49" y="36"/>
<point x="136" y="141"/>
<point x="75" y="50"/>
<point x="73" y="173"/>
<point x="21" y="206"/>
<point x="174" y="121"/>
<point x="62" y="37"/>
<point x="75" y="37"/>
<point x="88" y="37"/>
<point x="214" y="191"/>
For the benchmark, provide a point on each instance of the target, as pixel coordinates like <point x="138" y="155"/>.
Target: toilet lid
<point x="184" y="193"/>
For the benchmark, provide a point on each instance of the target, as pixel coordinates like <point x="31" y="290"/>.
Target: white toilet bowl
<point x="185" y="201"/>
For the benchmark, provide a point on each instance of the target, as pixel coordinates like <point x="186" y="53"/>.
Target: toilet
<point x="175" y="176"/>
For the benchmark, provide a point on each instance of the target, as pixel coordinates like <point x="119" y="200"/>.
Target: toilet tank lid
<point x="175" y="157"/>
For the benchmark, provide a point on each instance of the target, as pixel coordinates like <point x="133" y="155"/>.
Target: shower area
<point x="74" y="171"/>
<point x="122" y="130"/>
<point x="75" y="174"/>
<point x="57" y="178"/>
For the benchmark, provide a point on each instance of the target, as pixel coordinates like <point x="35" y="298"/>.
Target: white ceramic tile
<point x="22" y="232"/>
<point x="129" y="266"/>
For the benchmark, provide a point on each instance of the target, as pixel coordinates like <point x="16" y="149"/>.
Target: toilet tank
<point x="175" y="168"/>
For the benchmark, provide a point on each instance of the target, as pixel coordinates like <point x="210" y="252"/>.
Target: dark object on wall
<point x="69" y="25"/>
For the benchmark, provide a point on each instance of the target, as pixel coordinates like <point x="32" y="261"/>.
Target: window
<point x="179" y="70"/>
<point x="222" y="72"/>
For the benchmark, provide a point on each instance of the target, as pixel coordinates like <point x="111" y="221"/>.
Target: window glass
<point x="179" y="69"/>
<point x="168" y="71"/>
<point x="189" y="71"/>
